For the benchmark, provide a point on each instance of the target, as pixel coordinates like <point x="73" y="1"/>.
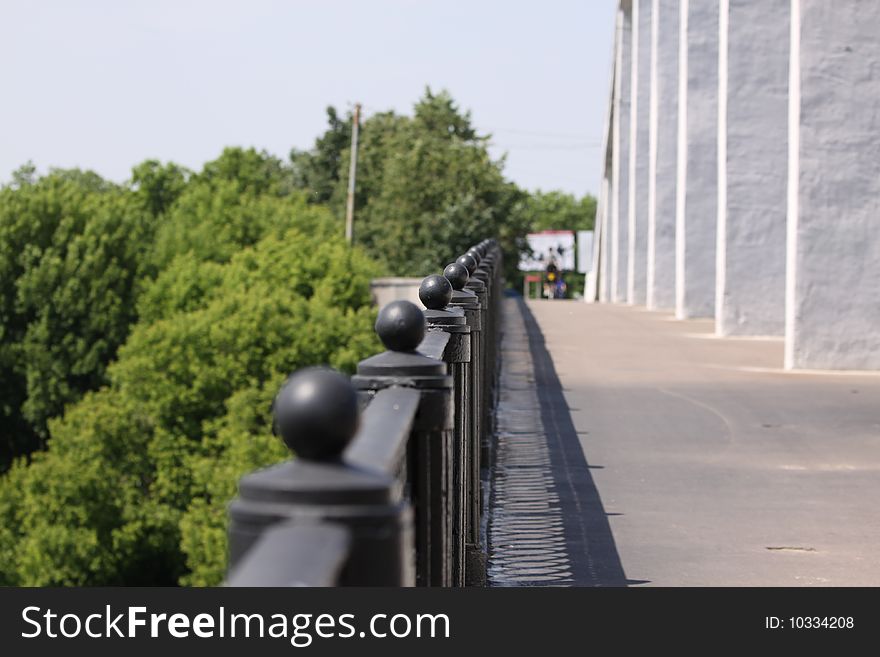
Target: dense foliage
<point x="147" y="325"/>
<point x="73" y="251"/>
<point x="558" y="211"/>
<point x="426" y="186"/>
<point x="238" y="282"/>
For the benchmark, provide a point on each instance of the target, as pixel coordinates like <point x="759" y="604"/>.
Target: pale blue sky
<point x="106" y="84"/>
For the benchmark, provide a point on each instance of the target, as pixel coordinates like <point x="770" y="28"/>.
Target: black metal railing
<point x="386" y="488"/>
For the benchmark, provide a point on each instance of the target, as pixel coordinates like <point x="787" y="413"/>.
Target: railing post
<point x="485" y="271"/>
<point x="468" y="301"/>
<point x="488" y="256"/>
<point x="401" y="327"/>
<point x="316" y="413"/>
<point x="477" y="284"/>
<point x="435" y="293"/>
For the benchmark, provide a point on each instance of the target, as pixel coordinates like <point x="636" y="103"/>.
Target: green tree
<point x="146" y="326"/>
<point x="427" y="187"/>
<point x="134" y="486"/>
<point x="252" y="171"/>
<point x="76" y="252"/>
<point x="159" y="185"/>
<point x="557" y="210"/>
<point x="26" y="174"/>
<point x="72" y="250"/>
<point x="318" y="171"/>
<point x="233" y="202"/>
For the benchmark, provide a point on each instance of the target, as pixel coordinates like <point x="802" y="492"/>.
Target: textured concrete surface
<point x="697" y="202"/>
<point x="714" y="465"/>
<point x="639" y="155"/>
<point x="753" y="166"/>
<point x="833" y="280"/>
<point x="620" y="159"/>
<point x="386" y="290"/>
<point x="664" y="154"/>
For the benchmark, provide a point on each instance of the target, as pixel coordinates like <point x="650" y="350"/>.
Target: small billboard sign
<point x="555" y="245"/>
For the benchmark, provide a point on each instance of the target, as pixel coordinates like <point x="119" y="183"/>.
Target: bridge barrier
<point x="386" y="488"/>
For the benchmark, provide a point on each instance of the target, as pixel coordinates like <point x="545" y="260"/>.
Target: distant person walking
<point x="554" y="286"/>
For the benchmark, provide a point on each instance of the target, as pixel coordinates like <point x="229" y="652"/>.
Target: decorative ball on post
<point x="316" y="413"/>
<point x="457" y="274"/>
<point x="401" y="326"/>
<point x="469" y="262"/>
<point x="435" y="292"/>
<point x="473" y="253"/>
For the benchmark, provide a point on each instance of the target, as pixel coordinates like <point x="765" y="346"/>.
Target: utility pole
<point x="352" y="172"/>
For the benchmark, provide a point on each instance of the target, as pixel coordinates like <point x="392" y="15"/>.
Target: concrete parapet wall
<point x="697" y="202"/>
<point x="833" y="274"/>
<point x="386" y="290"/>
<point x="664" y="155"/>
<point x="752" y="167"/>
<point x="620" y="160"/>
<point x="640" y="107"/>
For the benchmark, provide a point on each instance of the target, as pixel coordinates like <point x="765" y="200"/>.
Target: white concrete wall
<point x="386" y="290"/>
<point x="833" y="276"/>
<point x="752" y="167"/>
<point x="663" y="155"/>
<point x="600" y="258"/>
<point x="603" y="209"/>
<point x="697" y="202"/>
<point x="591" y="286"/>
<point x="620" y="160"/>
<point x="640" y="130"/>
<point x="584" y="243"/>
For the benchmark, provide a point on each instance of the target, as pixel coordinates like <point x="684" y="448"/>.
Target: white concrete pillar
<point x="620" y="159"/>
<point x="600" y="258"/>
<point x="833" y="266"/>
<point x="752" y="167"/>
<point x="697" y="190"/>
<point x="640" y="130"/>
<point x="663" y="154"/>
<point x="602" y="243"/>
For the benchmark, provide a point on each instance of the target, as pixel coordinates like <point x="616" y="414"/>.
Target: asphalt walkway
<point x="708" y="464"/>
<point x="546" y="524"/>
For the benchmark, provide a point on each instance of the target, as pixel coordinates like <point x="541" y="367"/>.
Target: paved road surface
<point x="713" y="465"/>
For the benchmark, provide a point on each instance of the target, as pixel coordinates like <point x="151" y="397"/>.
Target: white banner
<point x="555" y="245"/>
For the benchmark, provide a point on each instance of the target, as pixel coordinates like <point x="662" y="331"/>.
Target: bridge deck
<point x="713" y="466"/>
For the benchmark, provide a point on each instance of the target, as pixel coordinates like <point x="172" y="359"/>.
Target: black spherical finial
<point x="316" y="413"/>
<point x="469" y="262"/>
<point x="473" y="253"/>
<point x="457" y="274"/>
<point x="401" y="326"/>
<point x="435" y="292"/>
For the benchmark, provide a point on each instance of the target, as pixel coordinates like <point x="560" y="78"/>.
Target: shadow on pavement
<point x="591" y="547"/>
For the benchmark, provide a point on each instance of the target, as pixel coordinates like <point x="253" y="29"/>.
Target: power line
<point x="546" y="147"/>
<point x="533" y="133"/>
